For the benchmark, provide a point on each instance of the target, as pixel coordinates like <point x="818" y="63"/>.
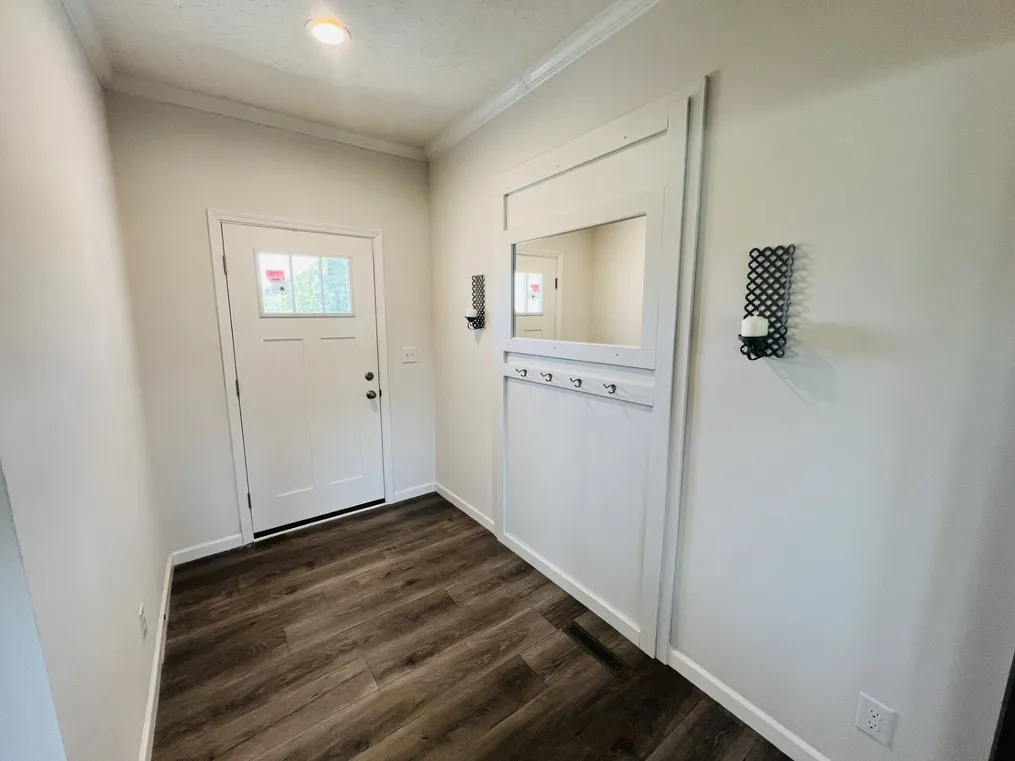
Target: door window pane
<point x="307" y="284"/>
<point x="275" y="280"/>
<point x="337" y="287"/>
<point x="528" y="293"/>
<point x="298" y="284"/>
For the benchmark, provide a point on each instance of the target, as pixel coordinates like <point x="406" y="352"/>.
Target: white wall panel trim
<point x="782" y="738"/>
<point x="597" y="605"/>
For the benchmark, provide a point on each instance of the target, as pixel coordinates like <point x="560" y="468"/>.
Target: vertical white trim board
<point x="216" y="218"/>
<point x="783" y="739"/>
<point x="155" y="680"/>
<point x="481" y="518"/>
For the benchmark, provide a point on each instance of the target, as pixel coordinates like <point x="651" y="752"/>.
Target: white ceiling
<point x="412" y="69"/>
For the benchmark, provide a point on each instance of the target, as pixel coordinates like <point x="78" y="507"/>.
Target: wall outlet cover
<point x="875" y="719"/>
<point x="408" y="354"/>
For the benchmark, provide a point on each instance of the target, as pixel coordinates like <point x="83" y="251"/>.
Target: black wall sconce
<point x="766" y="308"/>
<point x="476" y="316"/>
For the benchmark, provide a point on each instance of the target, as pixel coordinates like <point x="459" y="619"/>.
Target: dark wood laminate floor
<point x="411" y="633"/>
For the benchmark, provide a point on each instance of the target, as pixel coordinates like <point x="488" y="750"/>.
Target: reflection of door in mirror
<point x="600" y="272"/>
<point x="535" y="296"/>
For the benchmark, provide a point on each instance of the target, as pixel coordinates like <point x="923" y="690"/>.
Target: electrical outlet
<point x="144" y="623"/>
<point x="875" y="719"/>
<point x="408" y="355"/>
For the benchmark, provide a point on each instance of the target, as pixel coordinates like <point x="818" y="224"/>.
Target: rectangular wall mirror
<point x="585" y="286"/>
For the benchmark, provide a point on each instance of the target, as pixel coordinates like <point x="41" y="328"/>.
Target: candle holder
<point x="753" y="346"/>
<point x="769" y="276"/>
<point x="478" y="303"/>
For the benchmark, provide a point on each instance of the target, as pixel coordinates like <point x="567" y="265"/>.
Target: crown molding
<point x="600" y="28"/>
<point x="81" y="19"/>
<point x="224" y="107"/>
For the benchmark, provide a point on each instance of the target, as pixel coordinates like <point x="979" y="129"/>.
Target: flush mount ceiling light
<point x="328" y="31"/>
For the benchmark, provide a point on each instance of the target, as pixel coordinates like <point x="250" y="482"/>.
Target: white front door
<point x="535" y="296"/>
<point x="305" y="336"/>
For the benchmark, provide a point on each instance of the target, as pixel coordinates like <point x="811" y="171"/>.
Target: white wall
<point x="847" y="516"/>
<point x="28" y="725"/>
<point x="171" y="165"/>
<point x="71" y="434"/>
<point x="618" y="277"/>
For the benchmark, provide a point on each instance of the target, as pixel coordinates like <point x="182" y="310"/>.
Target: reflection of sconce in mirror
<point x="476" y="314"/>
<point x="766" y="308"/>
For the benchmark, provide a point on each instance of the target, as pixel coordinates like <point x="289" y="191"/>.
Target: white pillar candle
<point x="471" y="313"/>
<point x="754" y="327"/>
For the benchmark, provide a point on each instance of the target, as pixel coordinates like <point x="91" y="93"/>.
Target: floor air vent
<point x="595" y="648"/>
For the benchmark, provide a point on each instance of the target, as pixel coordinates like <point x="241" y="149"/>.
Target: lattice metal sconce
<point x="476" y="316"/>
<point x="766" y="308"/>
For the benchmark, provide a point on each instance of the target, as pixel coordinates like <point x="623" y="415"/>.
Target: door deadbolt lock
<point x="369" y="376"/>
<point x="371" y="394"/>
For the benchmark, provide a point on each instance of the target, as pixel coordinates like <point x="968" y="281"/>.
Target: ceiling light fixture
<point x="327" y="31"/>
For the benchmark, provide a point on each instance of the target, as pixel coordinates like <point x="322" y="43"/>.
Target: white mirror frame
<point x="648" y="205"/>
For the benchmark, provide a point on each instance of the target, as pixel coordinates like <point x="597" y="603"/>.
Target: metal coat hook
<point x="577" y="382"/>
<point x="522" y="372"/>
<point x="547" y="376"/>
<point x="611" y="388"/>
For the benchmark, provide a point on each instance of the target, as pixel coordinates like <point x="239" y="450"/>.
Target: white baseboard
<point x="207" y="548"/>
<point x="413" y="491"/>
<point x="483" y="520"/>
<point x="614" y="618"/>
<point x="789" y="743"/>
<point x="155" y="680"/>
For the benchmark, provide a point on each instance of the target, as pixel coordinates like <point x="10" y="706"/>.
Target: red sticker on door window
<point x="275" y="276"/>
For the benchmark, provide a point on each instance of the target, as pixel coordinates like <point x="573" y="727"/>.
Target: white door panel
<point x="312" y="436"/>
<point x="544" y="323"/>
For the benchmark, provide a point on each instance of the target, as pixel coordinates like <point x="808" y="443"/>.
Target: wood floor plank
<point x="554" y="715"/>
<point x="224" y="726"/>
<point x="246" y="643"/>
<point x="562" y="611"/>
<point x="505" y="569"/>
<point x="708" y="737"/>
<point x="762" y="750"/>
<point x="345" y="734"/>
<point x="557" y="656"/>
<point x="411" y="633"/>
<point x="647" y="711"/>
<point x="356" y="598"/>
<point x="453" y="731"/>
<point x="399" y="657"/>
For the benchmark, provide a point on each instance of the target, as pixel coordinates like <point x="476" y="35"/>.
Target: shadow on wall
<point x="812" y="347"/>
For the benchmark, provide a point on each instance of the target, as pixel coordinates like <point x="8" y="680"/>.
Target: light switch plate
<point x="408" y="354"/>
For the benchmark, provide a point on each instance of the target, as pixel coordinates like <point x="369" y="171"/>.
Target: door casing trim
<point x="218" y="217"/>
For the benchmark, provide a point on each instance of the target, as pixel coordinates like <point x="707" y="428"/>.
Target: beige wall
<point x="172" y="164"/>
<point x="618" y="276"/>
<point x="71" y="433"/>
<point x="847" y="514"/>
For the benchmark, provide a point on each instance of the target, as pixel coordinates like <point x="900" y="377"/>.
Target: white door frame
<point x="216" y="218"/>
<point x="558" y="313"/>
